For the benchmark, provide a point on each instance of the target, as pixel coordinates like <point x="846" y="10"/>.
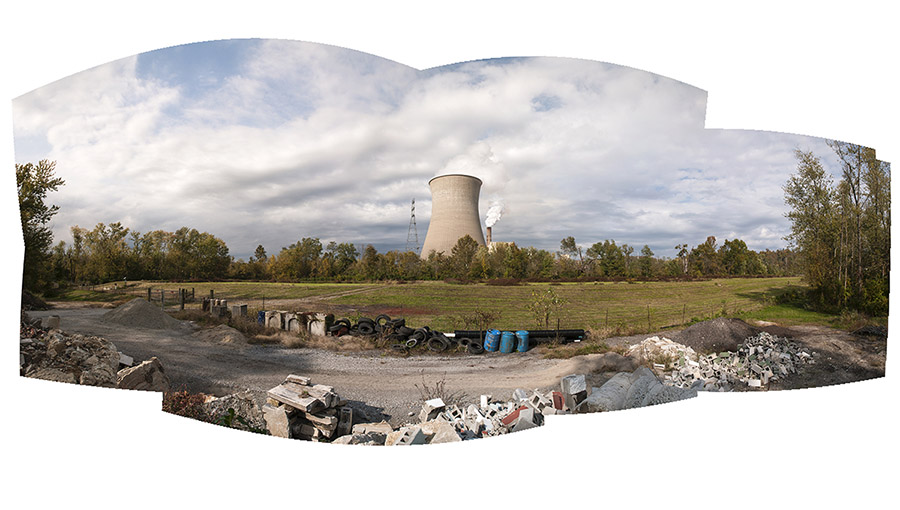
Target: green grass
<point x="611" y="307"/>
<point x="588" y="305"/>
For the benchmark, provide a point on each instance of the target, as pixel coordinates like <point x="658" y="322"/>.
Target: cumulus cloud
<point x="281" y="140"/>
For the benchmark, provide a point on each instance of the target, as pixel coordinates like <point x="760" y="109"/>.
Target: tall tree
<point x="33" y="182"/>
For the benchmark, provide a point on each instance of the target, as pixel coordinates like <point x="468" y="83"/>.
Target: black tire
<point x="475" y="347"/>
<point x="400" y="348"/>
<point x="335" y="328"/>
<point x="378" y="320"/>
<point x="396" y="323"/>
<point x="366" y="320"/>
<point x="345" y="321"/>
<point x="411" y="343"/>
<point x="403" y="330"/>
<point x="366" y="328"/>
<point x="420" y="334"/>
<point x="463" y="342"/>
<point x="438" y="343"/>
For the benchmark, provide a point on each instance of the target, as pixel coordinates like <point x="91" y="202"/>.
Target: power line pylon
<point x="412" y="236"/>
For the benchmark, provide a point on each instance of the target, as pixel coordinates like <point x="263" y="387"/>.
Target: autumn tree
<point x="33" y="182"/>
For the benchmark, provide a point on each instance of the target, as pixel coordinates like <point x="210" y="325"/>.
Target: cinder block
<point x="573" y="384"/>
<point x="430" y="409"/>
<point x="239" y="310"/>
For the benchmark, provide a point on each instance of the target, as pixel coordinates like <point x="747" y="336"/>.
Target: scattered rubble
<point x="77" y="359"/>
<point x="760" y="359"/>
<point x="140" y="313"/>
<point x="625" y="390"/>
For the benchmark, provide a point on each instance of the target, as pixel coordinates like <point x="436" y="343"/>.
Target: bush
<point x="184" y="403"/>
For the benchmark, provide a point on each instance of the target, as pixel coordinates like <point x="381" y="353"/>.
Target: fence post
<point x="162" y="298"/>
<point x="211" y="294"/>
<point x="192" y="293"/>
<point x="181" y="293"/>
<point x="149" y="298"/>
<point x="683" y="308"/>
<point x="649" y="327"/>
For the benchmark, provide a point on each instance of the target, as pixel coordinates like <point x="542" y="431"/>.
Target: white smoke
<point x="479" y="160"/>
<point x="494" y="214"/>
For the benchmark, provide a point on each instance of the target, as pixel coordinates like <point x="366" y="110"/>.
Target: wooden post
<point x="162" y="298"/>
<point x="149" y="298"/>
<point x="683" y="308"/>
<point x="607" y="317"/>
<point x="192" y="293"/>
<point x="211" y="294"/>
<point x="181" y="292"/>
<point x="649" y="327"/>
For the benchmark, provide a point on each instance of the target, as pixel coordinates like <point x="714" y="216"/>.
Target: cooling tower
<point x="454" y="212"/>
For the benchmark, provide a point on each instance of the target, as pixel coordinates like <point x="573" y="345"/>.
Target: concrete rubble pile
<point x="301" y="410"/>
<point x="82" y="359"/>
<point x="759" y="360"/>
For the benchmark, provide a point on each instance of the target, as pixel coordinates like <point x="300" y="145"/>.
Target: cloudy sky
<point x="268" y="141"/>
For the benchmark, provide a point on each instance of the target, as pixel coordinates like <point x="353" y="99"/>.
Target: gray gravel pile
<point x="139" y="313"/>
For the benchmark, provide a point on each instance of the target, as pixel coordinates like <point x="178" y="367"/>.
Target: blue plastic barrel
<point x="522" y="343"/>
<point x="507" y="342"/>
<point x="492" y="340"/>
<point x="261" y="317"/>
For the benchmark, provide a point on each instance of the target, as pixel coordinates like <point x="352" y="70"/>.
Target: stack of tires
<point x="402" y="338"/>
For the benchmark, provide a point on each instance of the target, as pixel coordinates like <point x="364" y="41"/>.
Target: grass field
<point x="612" y="307"/>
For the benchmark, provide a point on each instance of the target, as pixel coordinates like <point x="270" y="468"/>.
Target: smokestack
<point x="454" y="212"/>
<point x="488" y="235"/>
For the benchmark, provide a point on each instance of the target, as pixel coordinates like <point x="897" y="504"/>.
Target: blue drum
<point x="522" y="343"/>
<point x="492" y="340"/>
<point x="507" y="342"/>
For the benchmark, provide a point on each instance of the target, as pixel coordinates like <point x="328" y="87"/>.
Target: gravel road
<point x="385" y="384"/>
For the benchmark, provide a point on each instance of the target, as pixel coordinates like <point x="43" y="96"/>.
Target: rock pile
<point x="297" y="409"/>
<point x="77" y="359"/>
<point x="80" y="359"/>
<point x="760" y="359"/>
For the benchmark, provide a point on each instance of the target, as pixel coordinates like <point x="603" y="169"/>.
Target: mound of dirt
<point x="717" y="335"/>
<point x="32" y="302"/>
<point x="139" y="313"/>
<point x="222" y="334"/>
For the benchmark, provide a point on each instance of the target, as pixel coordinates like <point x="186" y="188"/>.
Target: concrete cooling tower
<point x="454" y="212"/>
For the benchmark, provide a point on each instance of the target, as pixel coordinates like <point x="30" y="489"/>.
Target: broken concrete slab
<point x="405" y="436"/>
<point x="277" y="421"/>
<point x="441" y="432"/>
<point x="148" y="376"/>
<point x="369" y="439"/>
<point x="609" y="397"/>
<point x="365" y="428"/>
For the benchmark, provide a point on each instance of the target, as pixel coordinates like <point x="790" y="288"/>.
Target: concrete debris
<point x="248" y="414"/>
<point x="632" y="390"/>
<point x="431" y="409"/>
<point x="300" y="410"/>
<point x="58" y="356"/>
<point x="574" y="390"/>
<point x="148" y="376"/>
<point x="405" y="436"/>
<point x="758" y="361"/>
<point x="369" y="438"/>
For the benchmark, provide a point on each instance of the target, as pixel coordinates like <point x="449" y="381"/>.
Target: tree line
<point x="842" y="231"/>
<point x="112" y="251"/>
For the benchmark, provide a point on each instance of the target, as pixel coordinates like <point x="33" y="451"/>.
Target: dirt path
<point x="389" y="386"/>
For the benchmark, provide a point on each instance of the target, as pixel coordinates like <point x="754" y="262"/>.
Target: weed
<point x="184" y="403"/>
<point x="440" y="390"/>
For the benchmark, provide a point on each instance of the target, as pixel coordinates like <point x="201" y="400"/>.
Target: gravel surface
<point x="378" y="384"/>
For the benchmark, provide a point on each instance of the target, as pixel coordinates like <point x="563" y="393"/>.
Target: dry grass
<point x="439" y="390"/>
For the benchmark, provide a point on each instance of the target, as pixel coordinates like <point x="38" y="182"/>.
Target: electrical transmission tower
<point x="412" y="236"/>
